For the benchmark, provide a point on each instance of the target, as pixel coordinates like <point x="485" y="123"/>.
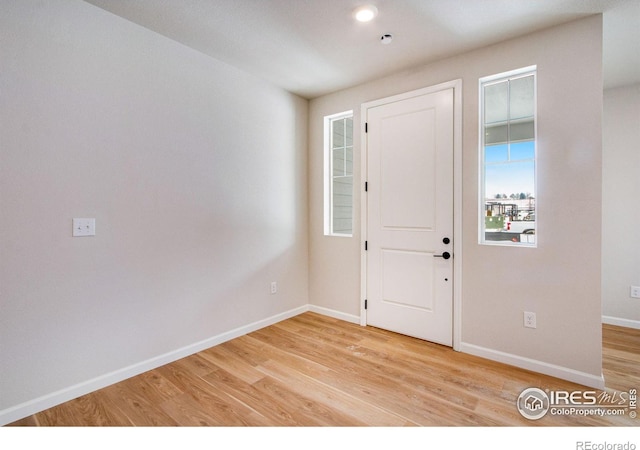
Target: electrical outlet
<point x="529" y="319"/>
<point x="274" y="287"/>
<point x="635" y="291"/>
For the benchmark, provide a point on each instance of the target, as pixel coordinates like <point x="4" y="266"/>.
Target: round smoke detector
<point x="386" y="38"/>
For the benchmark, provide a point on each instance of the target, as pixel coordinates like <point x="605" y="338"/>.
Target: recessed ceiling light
<point x="365" y="13"/>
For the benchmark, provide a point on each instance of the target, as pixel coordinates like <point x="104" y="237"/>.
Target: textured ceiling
<point x="313" y="47"/>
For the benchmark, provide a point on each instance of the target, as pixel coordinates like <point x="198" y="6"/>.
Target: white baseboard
<point x="36" y="405"/>
<point x="335" y="314"/>
<point x="553" y="370"/>
<point x="628" y="323"/>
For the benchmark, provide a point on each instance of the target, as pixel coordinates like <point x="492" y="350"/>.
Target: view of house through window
<point x="508" y="158"/>
<point x="339" y="174"/>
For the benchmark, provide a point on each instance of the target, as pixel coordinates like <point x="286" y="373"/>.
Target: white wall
<point x="559" y="280"/>
<point x="620" y="212"/>
<point x="194" y="171"/>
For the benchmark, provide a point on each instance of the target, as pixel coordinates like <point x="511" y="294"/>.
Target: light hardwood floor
<point x="312" y="370"/>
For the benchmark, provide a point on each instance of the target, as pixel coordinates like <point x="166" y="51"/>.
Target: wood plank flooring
<point x="312" y="370"/>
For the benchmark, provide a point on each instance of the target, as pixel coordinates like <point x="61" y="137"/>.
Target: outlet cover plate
<point x="529" y="319"/>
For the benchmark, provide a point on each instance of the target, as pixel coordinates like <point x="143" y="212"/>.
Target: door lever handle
<point x="445" y="255"/>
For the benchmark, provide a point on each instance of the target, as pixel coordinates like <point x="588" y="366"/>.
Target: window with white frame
<point x="508" y="158"/>
<point x="338" y="211"/>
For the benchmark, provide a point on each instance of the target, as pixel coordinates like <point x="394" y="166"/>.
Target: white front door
<point x="409" y="230"/>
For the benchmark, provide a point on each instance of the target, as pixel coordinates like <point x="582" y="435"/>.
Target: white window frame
<point x="328" y="174"/>
<point x="510" y="75"/>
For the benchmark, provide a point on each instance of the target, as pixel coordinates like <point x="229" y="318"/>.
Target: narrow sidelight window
<point x="508" y="158"/>
<point x="338" y="217"/>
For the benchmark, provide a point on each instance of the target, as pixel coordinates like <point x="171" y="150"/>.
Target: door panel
<point x="407" y="278"/>
<point x="409" y="213"/>
<point x="407" y="170"/>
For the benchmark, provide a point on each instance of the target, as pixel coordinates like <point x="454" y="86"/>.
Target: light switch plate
<point x="84" y="227"/>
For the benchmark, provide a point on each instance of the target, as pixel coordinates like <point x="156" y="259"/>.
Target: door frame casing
<point x="456" y="85"/>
